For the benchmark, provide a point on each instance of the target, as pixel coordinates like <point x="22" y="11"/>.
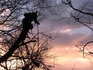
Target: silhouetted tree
<point x="22" y="48"/>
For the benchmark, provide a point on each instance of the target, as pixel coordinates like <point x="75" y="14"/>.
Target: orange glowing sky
<point x="67" y="36"/>
<point x="68" y="56"/>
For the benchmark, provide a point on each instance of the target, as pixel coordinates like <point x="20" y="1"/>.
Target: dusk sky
<point x="68" y="34"/>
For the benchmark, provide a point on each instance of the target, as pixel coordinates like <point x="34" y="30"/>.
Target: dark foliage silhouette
<point x="18" y="52"/>
<point x="29" y="17"/>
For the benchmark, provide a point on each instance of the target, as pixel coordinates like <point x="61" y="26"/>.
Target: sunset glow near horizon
<point x="68" y="56"/>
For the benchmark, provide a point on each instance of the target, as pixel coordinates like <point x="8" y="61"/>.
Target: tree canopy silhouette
<point x="26" y="25"/>
<point x="21" y="43"/>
